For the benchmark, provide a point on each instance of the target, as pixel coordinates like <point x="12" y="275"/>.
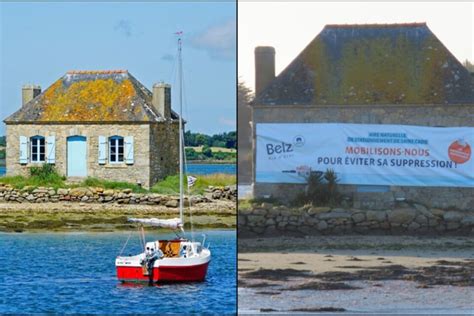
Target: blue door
<point x="76" y="156"/>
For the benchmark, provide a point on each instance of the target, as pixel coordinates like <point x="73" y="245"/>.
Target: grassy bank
<point x="170" y="185"/>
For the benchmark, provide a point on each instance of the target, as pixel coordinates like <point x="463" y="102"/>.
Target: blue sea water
<point x="75" y="273"/>
<point x="194" y="169"/>
<point x="198" y="169"/>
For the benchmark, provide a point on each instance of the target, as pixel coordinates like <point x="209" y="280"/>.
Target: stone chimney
<point x="162" y="99"/>
<point x="29" y="92"/>
<point x="264" y="67"/>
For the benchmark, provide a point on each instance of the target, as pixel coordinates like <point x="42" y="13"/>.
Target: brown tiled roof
<point x="372" y="64"/>
<point x="91" y="96"/>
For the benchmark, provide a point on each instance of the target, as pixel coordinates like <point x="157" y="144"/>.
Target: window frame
<point x="35" y="149"/>
<point x="114" y="141"/>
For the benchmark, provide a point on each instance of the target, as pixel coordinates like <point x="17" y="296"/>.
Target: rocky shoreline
<point x="66" y="216"/>
<point x="97" y="209"/>
<point x="266" y="219"/>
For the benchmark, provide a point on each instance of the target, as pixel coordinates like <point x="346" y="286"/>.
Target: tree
<point x="206" y="151"/>
<point x="244" y="98"/>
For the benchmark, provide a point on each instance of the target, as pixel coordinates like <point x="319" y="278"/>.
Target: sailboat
<point x="167" y="261"/>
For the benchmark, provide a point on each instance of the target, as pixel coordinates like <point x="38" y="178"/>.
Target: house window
<point x="116" y="149"/>
<point x="37" y="149"/>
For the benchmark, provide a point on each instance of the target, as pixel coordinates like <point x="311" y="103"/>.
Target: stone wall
<point x="164" y="150"/>
<point x="146" y="169"/>
<point x="267" y="220"/>
<point x="423" y="115"/>
<point x="100" y="195"/>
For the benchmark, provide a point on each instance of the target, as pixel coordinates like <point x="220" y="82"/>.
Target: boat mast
<point x="180" y="69"/>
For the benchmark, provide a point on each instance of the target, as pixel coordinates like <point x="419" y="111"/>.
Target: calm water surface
<point x="211" y="168"/>
<point x="75" y="273"/>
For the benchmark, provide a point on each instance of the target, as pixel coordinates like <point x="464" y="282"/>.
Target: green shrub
<point x="331" y="179"/>
<point x="44" y="175"/>
<point x="207" y="151"/>
<point x="321" y="189"/>
<point x="116" y="185"/>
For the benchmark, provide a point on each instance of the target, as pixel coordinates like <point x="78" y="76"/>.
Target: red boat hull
<point x="191" y="273"/>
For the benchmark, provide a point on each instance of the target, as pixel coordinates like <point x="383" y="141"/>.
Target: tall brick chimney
<point x="162" y="99"/>
<point x="264" y="67"/>
<point x="29" y="92"/>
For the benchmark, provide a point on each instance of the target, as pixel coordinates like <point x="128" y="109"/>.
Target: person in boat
<point x="151" y="255"/>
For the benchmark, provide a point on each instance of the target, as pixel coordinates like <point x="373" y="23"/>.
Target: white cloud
<point x="124" y="27"/>
<point x="227" y="121"/>
<point x="218" y="40"/>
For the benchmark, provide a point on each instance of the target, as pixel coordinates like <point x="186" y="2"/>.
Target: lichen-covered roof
<point x="91" y="96"/>
<point x="372" y="64"/>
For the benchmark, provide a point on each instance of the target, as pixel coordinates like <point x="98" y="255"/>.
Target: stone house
<point x="368" y="74"/>
<point x="102" y="124"/>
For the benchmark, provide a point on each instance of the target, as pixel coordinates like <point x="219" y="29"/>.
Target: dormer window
<point x="116" y="149"/>
<point x="38" y="149"/>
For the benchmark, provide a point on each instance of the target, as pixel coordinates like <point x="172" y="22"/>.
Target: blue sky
<point x="40" y="42"/>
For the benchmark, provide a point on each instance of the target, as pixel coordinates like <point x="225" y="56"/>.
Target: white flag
<point x="191" y="181"/>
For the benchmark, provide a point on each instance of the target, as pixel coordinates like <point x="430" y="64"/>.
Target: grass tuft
<point x="115" y="185"/>
<point x="170" y="185"/>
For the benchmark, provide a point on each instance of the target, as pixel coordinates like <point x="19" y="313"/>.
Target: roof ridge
<point x="93" y="72"/>
<point x="379" y="25"/>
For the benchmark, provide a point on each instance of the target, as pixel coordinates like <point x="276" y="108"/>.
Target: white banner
<point x="366" y="154"/>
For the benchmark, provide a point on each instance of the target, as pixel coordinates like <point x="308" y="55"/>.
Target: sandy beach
<point x="356" y="274"/>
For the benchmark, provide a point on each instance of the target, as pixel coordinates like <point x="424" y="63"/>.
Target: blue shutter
<point x="128" y="149"/>
<point x="102" y="150"/>
<point x="23" y="150"/>
<point x="51" y="149"/>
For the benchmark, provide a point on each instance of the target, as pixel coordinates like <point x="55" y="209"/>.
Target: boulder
<point x="422" y="220"/>
<point x="335" y="214"/>
<point x="172" y="203"/>
<point x="452" y="216"/>
<point x="108" y="192"/>
<point x="63" y="191"/>
<point x="401" y="216"/>
<point x="322" y="225"/>
<point x="376" y="216"/>
<point x="358" y="217"/>
<point x="468" y="220"/>
<point x="79" y="192"/>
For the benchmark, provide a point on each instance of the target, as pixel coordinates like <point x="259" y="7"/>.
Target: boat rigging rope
<point x="123" y="248"/>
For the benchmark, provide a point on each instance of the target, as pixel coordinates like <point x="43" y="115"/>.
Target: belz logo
<point x="284" y="148"/>
<point x="279" y="148"/>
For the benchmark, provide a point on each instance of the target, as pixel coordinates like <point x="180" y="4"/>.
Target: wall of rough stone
<point x="139" y="171"/>
<point x="164" y="150"/>
<point x="100" y="195"/>
<point x="267" y="220"/>
<point x="423" y="115"/>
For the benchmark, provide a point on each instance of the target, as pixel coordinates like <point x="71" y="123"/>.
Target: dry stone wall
<point x="267" y="220"/>
<point x="100" y="195"/>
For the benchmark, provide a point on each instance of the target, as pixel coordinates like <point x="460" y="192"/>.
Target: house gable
<point x="372" y="64"/>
